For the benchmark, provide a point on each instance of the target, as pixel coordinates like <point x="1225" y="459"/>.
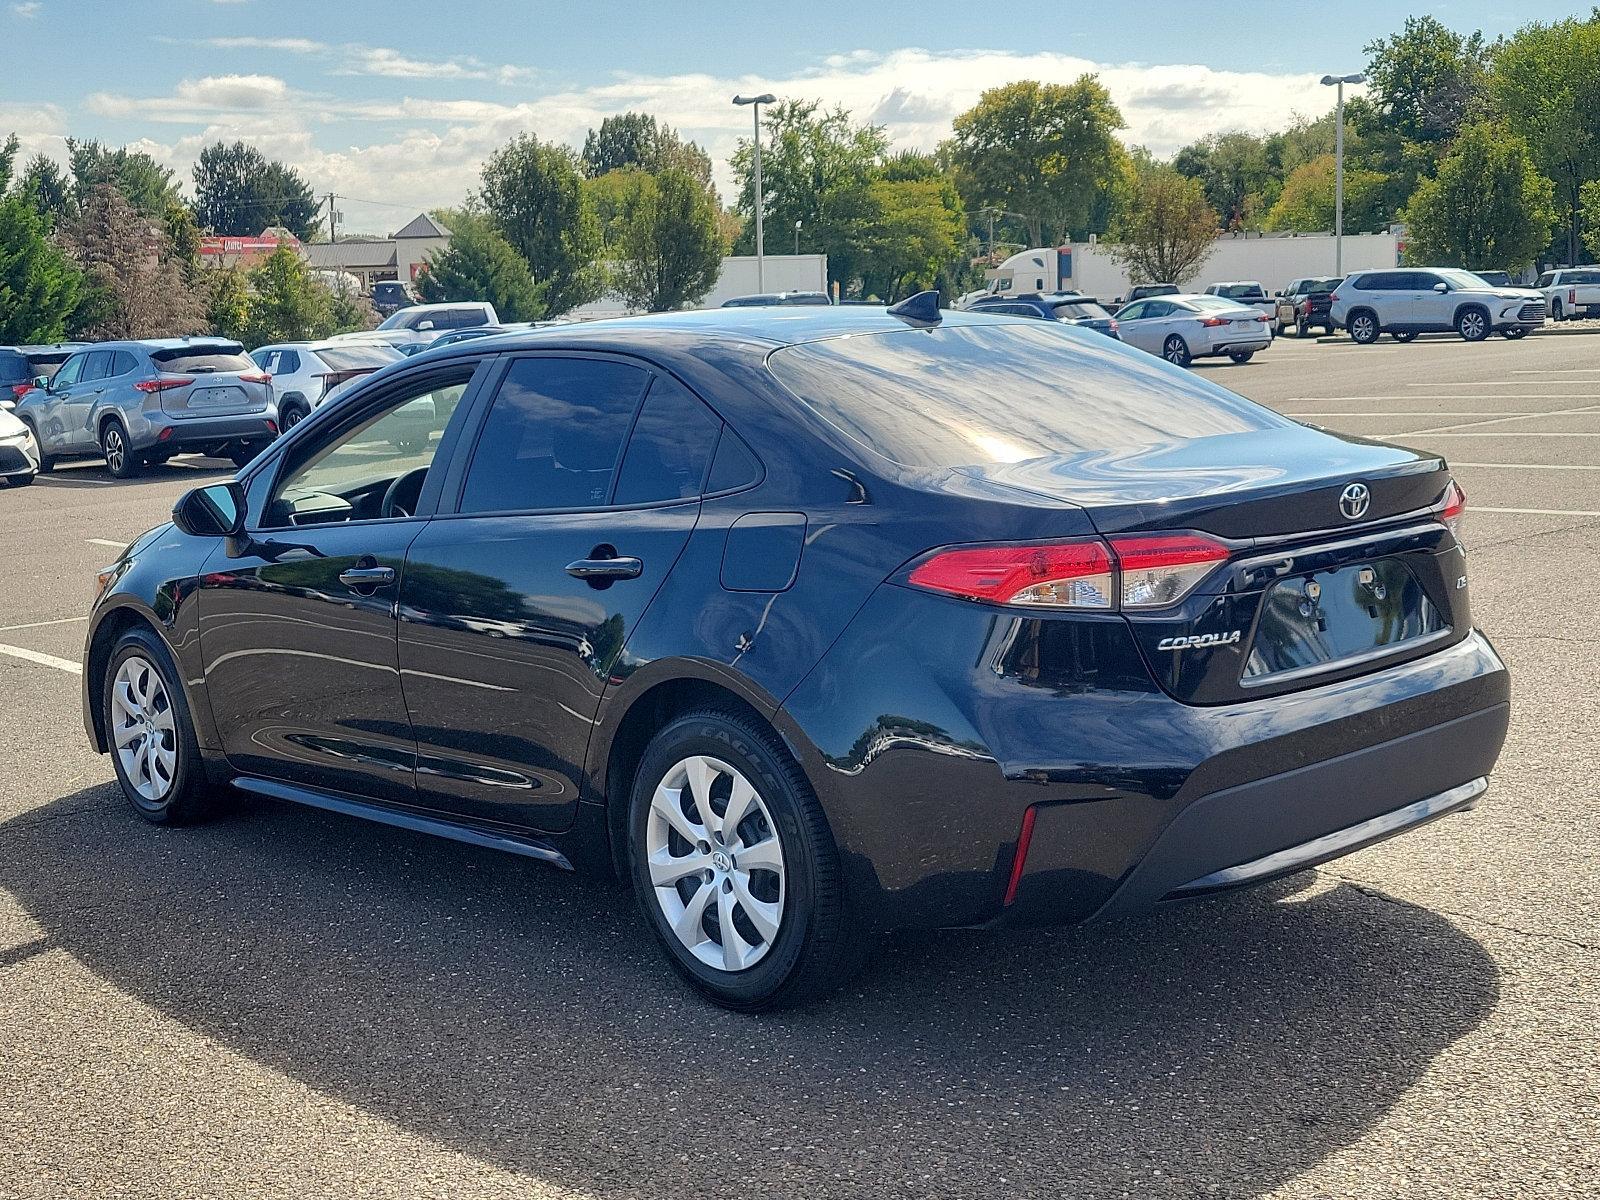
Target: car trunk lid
<point x="209" y="379"/>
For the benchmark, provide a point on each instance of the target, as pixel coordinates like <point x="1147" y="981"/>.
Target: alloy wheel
<point x="1364" y="329"/>
<point x="116" y="450"/>
<point x="716" y="863"/>
<point x="290" y="419"/>
<point x="144" y="729"/>
<point x="1473" y="326"/>
<point x="1176" y="352"/>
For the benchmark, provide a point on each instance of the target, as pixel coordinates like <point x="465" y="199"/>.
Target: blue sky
<point x="394" y="105"/>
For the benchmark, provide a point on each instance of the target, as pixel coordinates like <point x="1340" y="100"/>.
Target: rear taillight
<point x="1134" y="571"/>
<point x="161" y="384"/>
<point x="1263" y="318"/>
<point x="1452" y="509"/>
<point x="255" y="377"/>
<point x="19" y="390"/>
<point x="1161" y="569"/>
<point x="1074" y="575"/>
<point x="1305" y="307"/>
<point x="1213" y="322"/>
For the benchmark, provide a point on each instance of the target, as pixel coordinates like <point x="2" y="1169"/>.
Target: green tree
<point x="1589" y="203"/>
<point x="1045" y="150"/>
<point x="146" y="184"/>
<point x="45" y="187"/>
<point x="1488" y="207"/>
<point x="533" y="193"/>
<point x="816" y="168"/>
<point x="914" y="236"/>
<point x="228" y="301"/>
<point x="635" y="139"/>
<point x="8" y="159"/>
<point x="1168" y="231"/>
<point x="609" y="196"/>
<point x="1306" y="201"/>
<point x="1544" y="80"/>
<point x="239" y="192"/>
<point x="1427" y="80"/>
<point x="479" y="264"/>
<point x="669" y="250"/>
<point x="138" y="285"/>
<point x="39" y="285"/>
<point x="1239" y="172"/>
<point x="287" y="303"/>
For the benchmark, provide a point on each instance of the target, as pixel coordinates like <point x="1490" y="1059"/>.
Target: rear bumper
<point x="1284" y="823"/>
<point x="1238" y="345"/>
<point x="204" y="431"/>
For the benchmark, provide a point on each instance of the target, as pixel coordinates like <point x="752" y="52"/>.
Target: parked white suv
<point x="421" y="323"/>
<point x="304" y="374"/>
<point x="1411" y="300"/>
<point x="1571" y="292"/>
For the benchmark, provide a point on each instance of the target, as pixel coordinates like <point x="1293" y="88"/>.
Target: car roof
<point x="762" y="329"/>
<point x="177" y="343"/>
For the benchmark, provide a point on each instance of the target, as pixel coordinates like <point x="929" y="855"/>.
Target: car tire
<point x="1404" y="337"/>
<point x="1176" y="351"/>
<point x="244" y="454"/>
<point x="291" y="414"/>
<point x="1512" y="335"/>
<point x="21" y="480"/>
<point x="1558" y="311"/>
<point x="120" y="458"/>
<point x="1241" y="357"/>
<point x="1363" y="326"/>
<point x="1301" y="329"/>
<point x="46" y="462"/>
<point x="795" y="938"/>
<point x="1472" y="324"/>
<point x="150" y="732"/>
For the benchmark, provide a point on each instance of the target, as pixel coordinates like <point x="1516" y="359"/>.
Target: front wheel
<point x="121" y="461"/>
<point x="1176" y="351"/>
<point x="1473" y="325"/>
<point x="1242" y="356"/>
<point x="1404" y="337"/>
<point x="150" y="732"/>
<point x="1512" y="335"/>
<point x="735" y="868"/>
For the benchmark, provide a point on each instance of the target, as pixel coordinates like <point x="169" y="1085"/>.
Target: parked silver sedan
<point x="1185" y="327"/>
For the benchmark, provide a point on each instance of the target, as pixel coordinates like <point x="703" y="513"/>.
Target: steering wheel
<point x="400" y="500"/>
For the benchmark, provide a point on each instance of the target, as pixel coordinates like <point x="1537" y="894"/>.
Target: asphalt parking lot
<point x="289" y="1003"/>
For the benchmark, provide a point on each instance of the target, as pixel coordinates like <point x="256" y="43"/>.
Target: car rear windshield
<point x="14" y="367"/>
<point x="358" y="358"/>
<point x="1239" y="289"/>
<point x="203" y="360"/>
<point x="1319" y="287"/>
<point x="1080" y="310"/>
<point x="972" y="395"/>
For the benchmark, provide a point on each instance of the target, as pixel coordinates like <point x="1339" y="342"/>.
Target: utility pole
<point x="1339" y="81"/>
<point x="333" y="231"/>
<point x="756" y="102"/>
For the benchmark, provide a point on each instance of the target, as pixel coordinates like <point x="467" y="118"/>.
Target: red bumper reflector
<point x="1021" y="858"/>
<point x="164" y="434"/>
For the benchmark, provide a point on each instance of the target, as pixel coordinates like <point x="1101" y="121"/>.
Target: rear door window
<point x="553" y="436"/>
<point x="122" y="363"/>
<point x="669" y="448"/>
<point x="97" y="366"/>
<point x="981" y="394"/>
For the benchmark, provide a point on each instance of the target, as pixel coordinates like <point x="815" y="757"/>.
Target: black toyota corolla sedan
<point x="813" y="623"/>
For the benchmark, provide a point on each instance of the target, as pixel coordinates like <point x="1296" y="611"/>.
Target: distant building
<point x="399" y="256"/>
<point x="246" y="251"/>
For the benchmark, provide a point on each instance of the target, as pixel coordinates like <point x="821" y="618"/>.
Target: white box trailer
<point x="1271" y="259"/>
<point x="779" y="273"/>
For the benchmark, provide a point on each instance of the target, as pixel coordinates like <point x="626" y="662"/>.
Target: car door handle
<point x="366" y="577"/>
<point x="606" y="568"/>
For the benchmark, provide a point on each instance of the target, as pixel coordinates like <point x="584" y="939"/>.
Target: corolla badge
<point x="1200" y="641"/>
<point x="1353" y="501"/>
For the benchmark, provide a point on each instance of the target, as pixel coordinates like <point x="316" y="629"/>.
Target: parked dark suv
<point x="1069" y="308"/>
<point x="132" y="403"/>
<point x="813" y="624"/>
<point x="21" y="367"/>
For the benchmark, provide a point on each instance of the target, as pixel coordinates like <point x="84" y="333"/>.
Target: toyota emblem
<point x="1353" y="501"/>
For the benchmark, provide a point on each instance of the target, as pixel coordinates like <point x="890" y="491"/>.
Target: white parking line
<point x="1495" y="434"/>
<point x="1392" y="413"/>
<point x="1529" y="466"/>
<point x="1529" y="512"/>
<point x="42" y="624"/>
<point x="44" y="660"/>
<point x="1413" y="396"/>
<point x="1499" y="382"/>
<point x="106" y="542"/>
<point x="1554" y="412"/>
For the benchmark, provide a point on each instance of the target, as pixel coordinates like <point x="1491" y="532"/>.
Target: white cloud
<point x="288" y="45"/>
<point x="27" y="10"/>
<point x="383" y="61"/>
<point x="433" y="156"/>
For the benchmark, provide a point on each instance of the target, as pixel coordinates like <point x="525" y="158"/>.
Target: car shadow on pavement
<point x="523" y="1016"/>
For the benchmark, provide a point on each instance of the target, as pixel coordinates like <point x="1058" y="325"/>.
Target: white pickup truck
<point x="1248" y="292"/>
<point x="1571" y="292"/>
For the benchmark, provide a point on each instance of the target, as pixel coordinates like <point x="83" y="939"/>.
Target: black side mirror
<point x="42" y="382"/>
<point x="215" y="511"/>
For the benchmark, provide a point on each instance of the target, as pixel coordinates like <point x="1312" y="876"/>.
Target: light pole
<point x="1338" y="164"/>
<point x="797" y="238"/>
<point x="755" y="103"/>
